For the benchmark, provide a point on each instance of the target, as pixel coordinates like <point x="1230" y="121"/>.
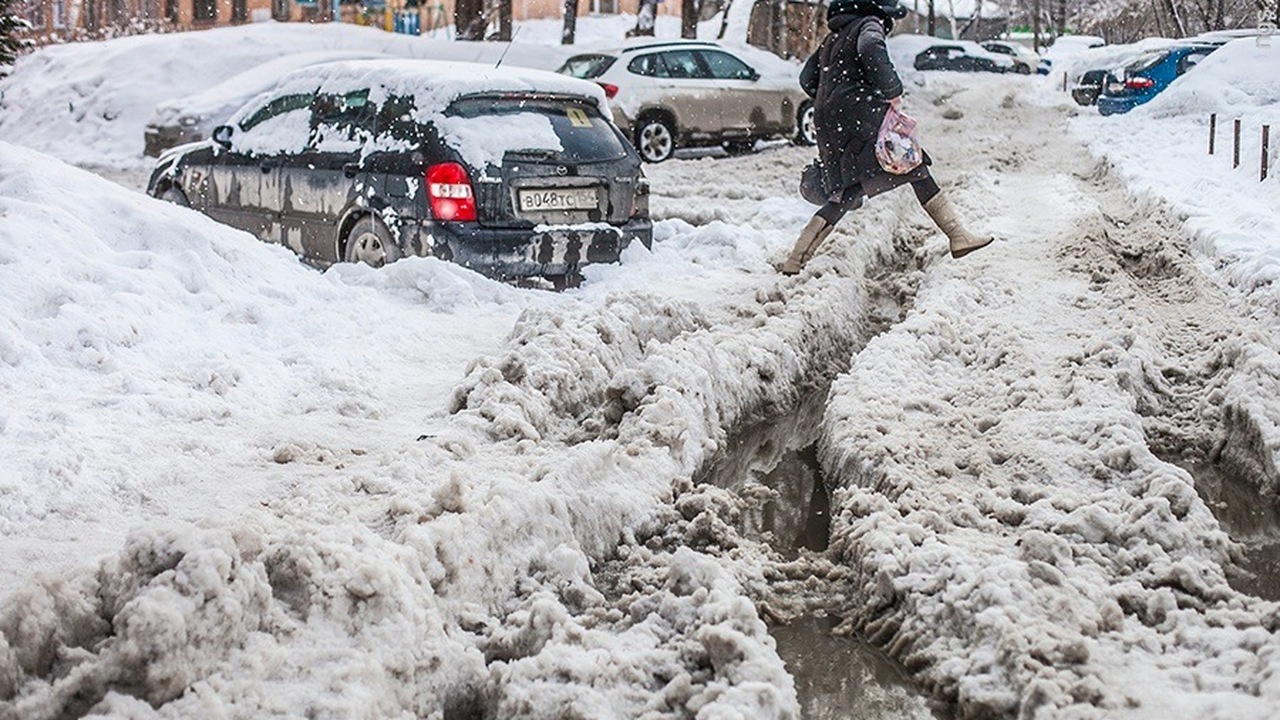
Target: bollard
<point x="1213" y="130"/>
<point x="1235" y="146"/>
<point x="1266" y="142"/>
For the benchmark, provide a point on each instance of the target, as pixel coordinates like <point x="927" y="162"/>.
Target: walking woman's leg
<point x="819" y="227"/>
<point x="935" y="203"/>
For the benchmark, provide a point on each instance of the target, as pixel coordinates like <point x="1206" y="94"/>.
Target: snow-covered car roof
<point x="221" y="100"/>
<point x="433" y="84"/>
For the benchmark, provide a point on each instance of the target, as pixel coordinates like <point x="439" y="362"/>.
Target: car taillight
<point x="449" y="190"/>
<point x="1139" y="83"/>
<point x="610" y="89"/>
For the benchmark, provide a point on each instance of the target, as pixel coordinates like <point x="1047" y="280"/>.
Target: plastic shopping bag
<point x="896" y="146"/>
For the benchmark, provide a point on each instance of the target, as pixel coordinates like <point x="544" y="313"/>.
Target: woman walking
<point x="853" y="83"/>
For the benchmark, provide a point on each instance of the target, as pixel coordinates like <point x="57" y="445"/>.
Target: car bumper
<point x="1114" y="105"/>
<point x="505" y="253"/>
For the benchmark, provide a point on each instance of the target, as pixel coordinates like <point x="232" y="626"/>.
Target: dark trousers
<point x="851" y="198"/>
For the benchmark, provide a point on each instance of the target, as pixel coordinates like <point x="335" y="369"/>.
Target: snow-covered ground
<point x="232" y="486"/>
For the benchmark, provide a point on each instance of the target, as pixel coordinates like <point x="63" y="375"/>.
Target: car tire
<point x="175" y="195"/>
<point x="371" y="243"/>
<point x="1024" y="69"/>
<point x="806" y="130"/>
<point x="655" y="139"/>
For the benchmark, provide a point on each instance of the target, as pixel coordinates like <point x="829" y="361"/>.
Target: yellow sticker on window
<point x="578" y="117"/>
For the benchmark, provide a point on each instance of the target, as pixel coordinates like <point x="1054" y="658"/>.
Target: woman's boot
<point x="943" y="214"/>
<point x="807" y="245"/>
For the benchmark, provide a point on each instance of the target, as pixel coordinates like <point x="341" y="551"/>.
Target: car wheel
<point x="1024" y="69"/>
<point x="370" y="242"/>
<point x="175" y="195"/>
<point x="806" y="130"/>
<point x="655" y="139"/>
<point x="739" y="147"/>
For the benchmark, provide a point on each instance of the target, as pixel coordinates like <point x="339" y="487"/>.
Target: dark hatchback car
<point x="513" y="173"/>
<point x="961" y="57"/>
<point x="1088" y="86"/>
<point x="1147" y="76"/>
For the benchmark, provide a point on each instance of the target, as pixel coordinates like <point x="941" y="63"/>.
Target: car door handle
<point x="350" y="169"/>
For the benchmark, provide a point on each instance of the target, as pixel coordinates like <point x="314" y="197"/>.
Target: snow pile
<point x="147" y="349"/>
<point x="88" y="103"/>
<point x="1012" y="535"/>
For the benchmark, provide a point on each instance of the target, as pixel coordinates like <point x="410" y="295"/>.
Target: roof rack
<point x="668" y="43"/>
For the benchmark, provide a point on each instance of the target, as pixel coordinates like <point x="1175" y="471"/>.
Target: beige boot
<point x="807" y="245"/>
<point x="943" y="214"/>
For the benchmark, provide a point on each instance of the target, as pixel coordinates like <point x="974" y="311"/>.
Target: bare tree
<point x="469" y="19"/>
<point x="689" y="19"/>
<point x="570" y="22"/>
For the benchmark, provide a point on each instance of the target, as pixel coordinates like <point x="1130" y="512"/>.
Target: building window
<point x="206" y="10"/>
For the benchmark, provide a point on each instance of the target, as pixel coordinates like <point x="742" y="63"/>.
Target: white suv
<point x="666" y="95"/>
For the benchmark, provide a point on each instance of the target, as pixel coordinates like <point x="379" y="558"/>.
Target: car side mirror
<point x="222" y="135"/>
<point x="753" y="76"/>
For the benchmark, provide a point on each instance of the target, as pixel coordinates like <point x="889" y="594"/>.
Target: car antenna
<point x="514" y="33"/>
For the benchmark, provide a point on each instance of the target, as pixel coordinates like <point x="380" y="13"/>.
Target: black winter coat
<point x="851" y="81"/>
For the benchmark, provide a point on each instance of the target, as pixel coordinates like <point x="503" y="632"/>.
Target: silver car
<point x="666" y="95"/>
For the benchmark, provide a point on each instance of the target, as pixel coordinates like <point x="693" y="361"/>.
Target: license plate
<point x="558" y="199"/>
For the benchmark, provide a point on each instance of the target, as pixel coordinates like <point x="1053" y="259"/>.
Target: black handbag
<point x="812" y="187"/>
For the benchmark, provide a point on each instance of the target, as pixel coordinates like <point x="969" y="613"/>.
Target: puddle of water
<point x="1250" y="520"/>
<point x="836" y="676"/>
<point x="799" y="517"/>
<point x="845" y="678"/>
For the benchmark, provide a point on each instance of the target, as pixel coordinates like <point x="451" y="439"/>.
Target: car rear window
<point x="1146" y="62"/>
<point x="586" y="66"/>
<point x="584" y="134"/>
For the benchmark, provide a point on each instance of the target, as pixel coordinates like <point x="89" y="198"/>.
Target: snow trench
<point x="454" y="577"/>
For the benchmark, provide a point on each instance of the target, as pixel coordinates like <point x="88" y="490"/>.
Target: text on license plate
<point x="562" y="199"/>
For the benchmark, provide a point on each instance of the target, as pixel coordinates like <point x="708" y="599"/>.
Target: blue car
<point x="1147" y="76"/>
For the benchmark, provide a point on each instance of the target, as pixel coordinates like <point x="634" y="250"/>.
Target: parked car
<point x="1088" y="86"/>
<point x="961" y="56"/>
<point x="667" y="95"/>
<point x="1144" y="78"/>
<point x="514" y="173"/>
<point x="193" y="117"/>
<point x="1025" y="60"/>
